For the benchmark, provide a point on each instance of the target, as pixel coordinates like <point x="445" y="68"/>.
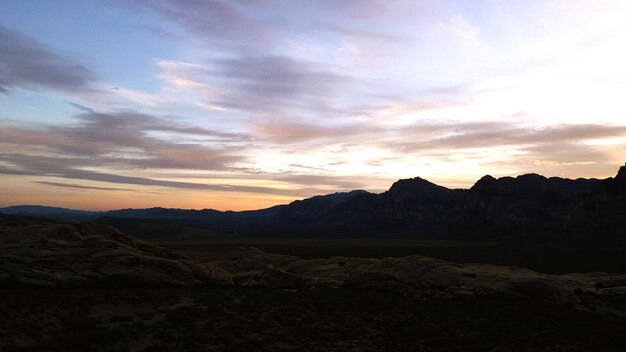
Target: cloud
<point x="567" y="150"/>
<point x="261" y="84"/>
<point x="269" y="79"/>
<point x="428" y="135"/>
<point x="306" y="167"/>
<point x="26" y="63"/>
<point x="340" y="182"/>
<point x="75" y="186"/>
<point x="130" y="139"/>
<point x="493" y="134"/>
<point x="55" y="167"/>
<point x="295" y="132"/>
<point x="223" y="23"/>
<point x="562" y="152"/>
<point x="241" y="60"/>
<point x="119" y="147"/>
<point x="263" y="23"/>
<point x="115" y="148"/>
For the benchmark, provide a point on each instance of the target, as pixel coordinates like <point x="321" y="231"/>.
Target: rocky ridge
<point x="86" y="254"/>
<point x="531" y="205"/>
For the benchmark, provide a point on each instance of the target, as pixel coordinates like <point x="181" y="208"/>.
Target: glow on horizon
<point x="245" y="105"/>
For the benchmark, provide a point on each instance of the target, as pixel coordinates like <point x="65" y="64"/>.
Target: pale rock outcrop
<point x="420" y="276"/>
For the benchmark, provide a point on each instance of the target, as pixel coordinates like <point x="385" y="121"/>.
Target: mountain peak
<point x="417" y="188"/>
<point x="532" y="176"/>
<point x="618" y="183"/>
<point x="485" y="183"/>
<point x="621" y="174"/>
<point x="412" y="184"/>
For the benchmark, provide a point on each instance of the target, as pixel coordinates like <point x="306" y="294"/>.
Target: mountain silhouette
<point x="526" y="205"/>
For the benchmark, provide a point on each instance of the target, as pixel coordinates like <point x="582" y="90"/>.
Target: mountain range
<point x="507" y="207"/>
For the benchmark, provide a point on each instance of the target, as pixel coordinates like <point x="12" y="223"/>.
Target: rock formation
<point x="85" y="254"/>
<point x="422" y="277"/>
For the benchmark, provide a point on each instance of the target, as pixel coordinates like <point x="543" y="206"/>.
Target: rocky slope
<point x="37" y="253"/>
<point x="425" y="278"/>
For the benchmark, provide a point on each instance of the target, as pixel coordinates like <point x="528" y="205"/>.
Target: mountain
<point x="50" y="212"/>
<point x="526" y="205"/>
<point x="504" y="207"/>
<point x="603" y="214"/>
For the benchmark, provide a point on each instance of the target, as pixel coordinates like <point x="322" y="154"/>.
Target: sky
<point x="245" y="104"/>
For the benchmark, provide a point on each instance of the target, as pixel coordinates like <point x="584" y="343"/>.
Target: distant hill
<point x="50" y="212"/>
<point x="527" y="205"/>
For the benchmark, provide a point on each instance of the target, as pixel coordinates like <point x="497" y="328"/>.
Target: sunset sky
<point x="247" y="104"/>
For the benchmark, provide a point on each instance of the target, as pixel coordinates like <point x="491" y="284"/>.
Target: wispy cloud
<point x="81" y="187"/>
<point x="494" y="134"/>
<point x="260" y="84"/>
<point x="115" y="147"/>
<point x="24" y="62"/>
<point x="339" y="182"/>
<point x="229" y="24"/>
<point x="44" y="166"/>
<point x="130" y="139"/>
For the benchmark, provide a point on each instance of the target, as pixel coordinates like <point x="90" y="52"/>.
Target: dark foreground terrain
<point x="78" y="286"/>
<point x="546" y="258"/>
<point x="256" y="319"/>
